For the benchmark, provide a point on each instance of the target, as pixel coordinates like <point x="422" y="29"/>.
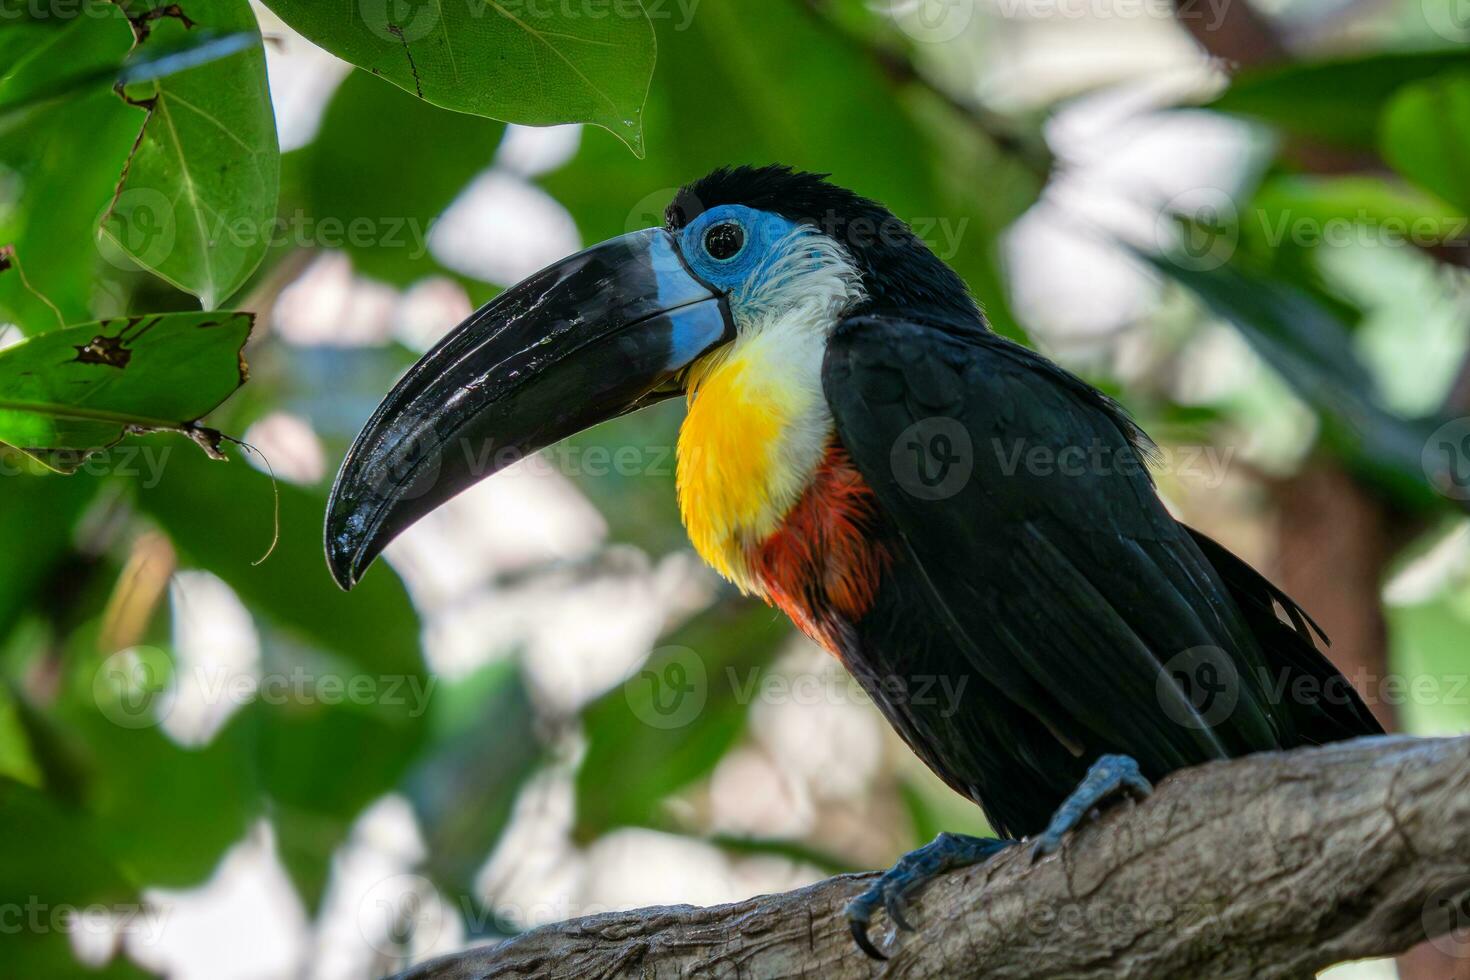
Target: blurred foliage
<point x="169" y="192"/>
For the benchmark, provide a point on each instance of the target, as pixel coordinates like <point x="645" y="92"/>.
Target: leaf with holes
<point x="534" y="63"/>
<point x="70" y="392"/>
<point x="198" y="194"/>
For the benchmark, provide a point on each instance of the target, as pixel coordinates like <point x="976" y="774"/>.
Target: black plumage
<point x="1077" y="615"/>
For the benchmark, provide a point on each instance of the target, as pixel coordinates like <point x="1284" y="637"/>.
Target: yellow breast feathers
<point x="757" y="426"/>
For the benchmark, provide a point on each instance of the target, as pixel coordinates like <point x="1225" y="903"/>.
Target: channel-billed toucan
<point x="922" y="497"/>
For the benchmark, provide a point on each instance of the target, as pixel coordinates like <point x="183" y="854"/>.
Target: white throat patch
<point x="758" y="423"/>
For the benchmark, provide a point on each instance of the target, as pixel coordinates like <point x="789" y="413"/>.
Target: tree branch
<point x="1275" y="865"/>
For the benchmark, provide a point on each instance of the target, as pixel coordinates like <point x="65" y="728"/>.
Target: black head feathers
<point x="899" y="270"/>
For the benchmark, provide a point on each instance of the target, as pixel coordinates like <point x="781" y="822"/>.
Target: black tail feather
<point x="1322" y="704"/>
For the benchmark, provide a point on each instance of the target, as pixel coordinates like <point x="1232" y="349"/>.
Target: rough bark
<point x="1275" y="865"/>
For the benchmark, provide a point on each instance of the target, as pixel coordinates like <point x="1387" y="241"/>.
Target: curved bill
<point x="595" y="336"/>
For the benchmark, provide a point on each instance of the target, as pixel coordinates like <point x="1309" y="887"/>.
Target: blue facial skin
<point x="761" y="229"/>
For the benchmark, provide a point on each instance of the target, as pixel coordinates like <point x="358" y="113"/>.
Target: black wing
<point x="1020" y="499"/>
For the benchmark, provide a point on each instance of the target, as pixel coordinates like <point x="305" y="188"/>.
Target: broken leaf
<point x="76" y="390"/>
<point x="198" y="195"/>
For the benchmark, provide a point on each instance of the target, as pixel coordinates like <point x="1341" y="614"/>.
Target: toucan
<point x="923" y="497"/>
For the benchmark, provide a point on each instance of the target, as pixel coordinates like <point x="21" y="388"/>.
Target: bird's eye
<point x="724" y="240"/>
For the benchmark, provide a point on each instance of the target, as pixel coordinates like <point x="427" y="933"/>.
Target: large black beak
<point x="592" y="337"/>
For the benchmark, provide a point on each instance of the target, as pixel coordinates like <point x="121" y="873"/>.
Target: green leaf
<point x="1337" y="100"/>
<point x="58" y="169"/>
<point x="1426" y="136"/>
<point x="506" y="59"/>
<point x="198" y="194"/>
<point x="674" y="719"/>
<point x="377" y="197"/>
<point x="73" y="391"/>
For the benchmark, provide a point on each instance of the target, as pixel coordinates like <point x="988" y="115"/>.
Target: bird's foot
<point x="1110" y="776"/>
<point x="912" y="872"/>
